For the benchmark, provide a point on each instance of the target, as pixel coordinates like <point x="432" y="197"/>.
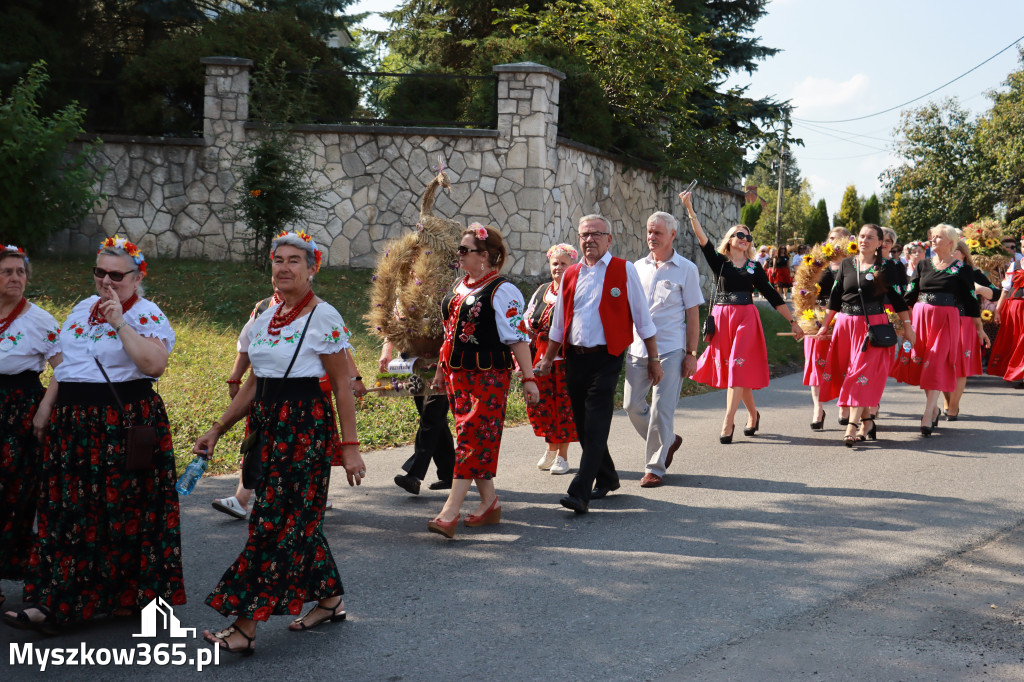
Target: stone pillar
<point x="528" y="128"/>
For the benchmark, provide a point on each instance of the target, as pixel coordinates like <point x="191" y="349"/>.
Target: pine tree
<point x="849" y="210"/>
<point x="872" y="211"/>
<point x="750" y="213"/>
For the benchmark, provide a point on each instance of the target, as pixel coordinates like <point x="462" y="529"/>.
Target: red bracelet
<point x="234" y="381"/>
<point x="530" y="380"/>
<point x="349" y="442"/>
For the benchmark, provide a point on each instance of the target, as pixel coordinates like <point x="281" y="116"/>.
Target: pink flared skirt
<point x="815" y="357"/>
<point x="936" y="354"/>
<point x="737" y="355"/>
<point x="854" y="374"/>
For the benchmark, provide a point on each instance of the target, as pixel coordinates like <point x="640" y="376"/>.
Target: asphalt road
<point x="781" y="556"/>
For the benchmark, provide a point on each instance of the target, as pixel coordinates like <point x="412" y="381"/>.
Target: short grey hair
<point x="891" y="234"/>
<point x="669" y="220"/>
<point x="291" y="239"/>
<point x="121" y="253"/>
<point x="594" y="216"/>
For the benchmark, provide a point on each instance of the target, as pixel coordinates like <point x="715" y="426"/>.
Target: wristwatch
<point x="692" y="352"/>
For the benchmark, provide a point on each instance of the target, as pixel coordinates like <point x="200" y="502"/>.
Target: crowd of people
<point x="94" y="450"/>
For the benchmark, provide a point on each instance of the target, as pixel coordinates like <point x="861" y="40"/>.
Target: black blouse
<point x="957" y="279"/>
<point x="751" y="276"/>
<point x="850" y="284"/>
<point x="828" y="280"/>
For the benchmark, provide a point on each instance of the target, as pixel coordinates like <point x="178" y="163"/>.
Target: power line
<point x="822" y="131"/>
<point x="900" y="106"/>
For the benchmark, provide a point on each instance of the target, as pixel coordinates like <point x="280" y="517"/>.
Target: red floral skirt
<point x="1007" y="356"/>
<point x="108" y="538"/>
<point x="20" y="463"/>
<point x="286" y="560"/>
<point x="815" y="356"/>
<point x="551" y="417"/>
<point x="737" y="355"/>
<point x="936" y="354"/>
<point x="478" y="399"/>
<point x="854" y="375"/>
<point x="970" y="350"/>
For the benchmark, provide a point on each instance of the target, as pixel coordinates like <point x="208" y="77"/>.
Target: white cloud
<point x="816" y="94"/>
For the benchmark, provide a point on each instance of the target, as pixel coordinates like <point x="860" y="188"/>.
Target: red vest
<point x="616" y="317"/>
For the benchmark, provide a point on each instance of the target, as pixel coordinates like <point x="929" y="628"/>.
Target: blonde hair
<point x="947" y="231"/>
<point x="839" y="231"/>
<point x="723" y="246"/>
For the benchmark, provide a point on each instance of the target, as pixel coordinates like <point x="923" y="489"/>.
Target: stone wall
<point x="174" y="197"/>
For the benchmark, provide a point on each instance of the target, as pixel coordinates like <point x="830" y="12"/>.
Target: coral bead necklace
<point x="9" y="320"/>
<point x="97" y="318"/>
<point x="279" y="321"/>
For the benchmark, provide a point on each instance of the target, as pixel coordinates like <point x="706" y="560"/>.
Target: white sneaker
<point x="545" y="462"/>
<point x="328" y="505"/>
<point x="560" y="466"/>
<point x="231" y="506"/>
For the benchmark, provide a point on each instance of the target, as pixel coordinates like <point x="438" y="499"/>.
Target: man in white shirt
<point x="672" y="286"/>
<point x="599" y="304"/>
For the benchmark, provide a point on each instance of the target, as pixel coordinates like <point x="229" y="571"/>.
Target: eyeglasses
<point x="584" y="236"/>
<point x="114" y="275"/>
<point x="743" y="237"/>
<point x="463" y="250"/>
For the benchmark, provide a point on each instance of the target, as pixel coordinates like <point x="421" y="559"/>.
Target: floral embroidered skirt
<point x="478" y="399"/>
<point x="936" y="354"/>
<point x="815" y="355"/>
<point x="108" y="538"/>
<point x="970" y="350"/>
<point x="286" y="560"/>
<point x="1007" y="356"/>
<point x="737" y="355"/>
<point x="551" y="417"/>
<point x="20" y="463"/>
<point x="852" y="374"/>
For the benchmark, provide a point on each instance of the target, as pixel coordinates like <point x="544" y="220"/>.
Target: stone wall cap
<point x="121" y="138"/>
<point x="227" y="61"/>
<point x="381" y="130"/>
<point x="528" y="67"/>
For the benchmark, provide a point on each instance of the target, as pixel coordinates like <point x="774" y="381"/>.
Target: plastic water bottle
<point x="907" y="346"/>
<point x="193" y="472"/>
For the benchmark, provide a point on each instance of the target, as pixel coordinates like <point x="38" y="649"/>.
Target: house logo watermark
<point x="159" y="616"/>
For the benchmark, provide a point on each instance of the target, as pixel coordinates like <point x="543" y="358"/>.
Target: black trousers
<point x="590" y="381"/>
<point x="433" y="439"/>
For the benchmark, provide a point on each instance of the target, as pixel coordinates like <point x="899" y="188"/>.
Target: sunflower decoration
<point x="851" y="248"/>
<point x="412" y="277"/>
<point x="986" y="315"/>
<point x="806" y="288"/>
<point x="985" y="239"/>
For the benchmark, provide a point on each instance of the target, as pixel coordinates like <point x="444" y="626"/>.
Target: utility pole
<point x="783" y="157"/>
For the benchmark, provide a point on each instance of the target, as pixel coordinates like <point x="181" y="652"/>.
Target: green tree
<point x="1001" y="144"/>
<point x="871" y="212"/>
<point x="797" y="211"/>
<point x="818" y="228"/>
<point x="44" y="185"/>
<point x="765" y="168"/>
<point x="849" y="210"/>
<point x="750" y="214"/>
<point x="941" y="170"/>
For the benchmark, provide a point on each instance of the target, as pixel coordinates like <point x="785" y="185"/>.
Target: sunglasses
<point x="463" y="250"/>
<point x="114" y="275"/>
<point x="743" y="237"/>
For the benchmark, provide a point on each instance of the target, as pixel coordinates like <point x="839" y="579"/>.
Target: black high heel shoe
<point x="725" y="440"/>
<point x="935" y="421"/>
<point x="753" y="429"/>
<point x="872" y="434"/>
<point x="926" y="430"/>
<point x="850" y="438"/>
<point x="820" y="424"/>
<point x="844" y="421"/>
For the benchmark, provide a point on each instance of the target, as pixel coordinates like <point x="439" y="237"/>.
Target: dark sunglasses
<point x="743" y="237"/>
<point x="114" y="275"/>
<point x="463" y="250"/>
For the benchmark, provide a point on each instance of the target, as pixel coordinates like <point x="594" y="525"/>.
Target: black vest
<point x="482" y="349"/>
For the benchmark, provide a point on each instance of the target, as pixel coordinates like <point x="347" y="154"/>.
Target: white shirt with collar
<point x="671" y="289"/>
<point x="587" y="329"/>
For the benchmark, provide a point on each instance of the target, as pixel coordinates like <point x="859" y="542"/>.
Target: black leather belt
<point x="734" y="298"/>
<point x="940" y="298"/>
<point x="583" y="350"/>
<point x="874" y="308"/>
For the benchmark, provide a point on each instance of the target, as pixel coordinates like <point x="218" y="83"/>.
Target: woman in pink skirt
<point x="816" y="346"/>
<point x="736" y="357"/>
<point x="940" y="284"/>
<point x="856" y="371"/>
<point x="1007" y="357"/>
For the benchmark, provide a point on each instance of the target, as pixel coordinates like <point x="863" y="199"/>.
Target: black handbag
<point x="251" y="446"/>
<point x="709" y="321"/>
<point x="139" y="440"/>
<point x="879" y="335"/>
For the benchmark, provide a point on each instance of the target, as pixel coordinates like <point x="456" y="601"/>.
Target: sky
<point x="843" y="60"/>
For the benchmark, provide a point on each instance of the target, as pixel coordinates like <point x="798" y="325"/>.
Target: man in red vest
<point x="599" y="304"/>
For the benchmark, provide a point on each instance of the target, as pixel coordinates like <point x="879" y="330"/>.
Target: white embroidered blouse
<point x="31" y="340"/>
<point x="270" y="354"/>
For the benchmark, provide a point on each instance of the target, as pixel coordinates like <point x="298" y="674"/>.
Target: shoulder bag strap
<point x="296" y="353"/>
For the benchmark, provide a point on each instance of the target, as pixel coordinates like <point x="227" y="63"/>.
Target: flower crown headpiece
<point x="133" y="251"/>
<point x="14" y="248"/>
<point x="479" y="231"/>
<point x="563" y="249"/>
<point x="304" y="236"/>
